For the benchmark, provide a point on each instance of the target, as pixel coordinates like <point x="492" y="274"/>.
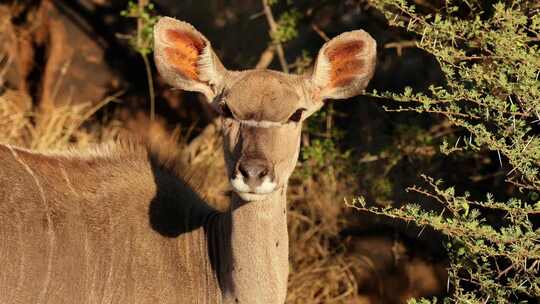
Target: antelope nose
<point x="253" y="171"/>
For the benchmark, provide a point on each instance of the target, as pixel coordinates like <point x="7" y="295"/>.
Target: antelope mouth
<point x="250" y="193"/>
<point x="251" y="197"/>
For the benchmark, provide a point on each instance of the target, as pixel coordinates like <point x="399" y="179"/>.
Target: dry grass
<point x="320" y="270"/>
<point x="14" y="122"/>
<point x="56" y="129"/>
<point x="23" y="122"/>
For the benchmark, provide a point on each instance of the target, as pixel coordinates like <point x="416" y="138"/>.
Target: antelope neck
<point x="259" y="250"/>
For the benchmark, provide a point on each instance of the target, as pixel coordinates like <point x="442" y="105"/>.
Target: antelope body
<point x="116" y="225"/>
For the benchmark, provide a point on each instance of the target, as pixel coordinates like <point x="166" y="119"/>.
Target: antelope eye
<point x="225" y="111"/>
<point x="297" y="116"/>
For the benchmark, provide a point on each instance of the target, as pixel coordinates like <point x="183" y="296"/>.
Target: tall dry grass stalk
<point x="14" y="122"/>
<point x="23" y="125"/>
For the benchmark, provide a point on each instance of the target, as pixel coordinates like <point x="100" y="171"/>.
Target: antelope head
<point x="262" y="110"/>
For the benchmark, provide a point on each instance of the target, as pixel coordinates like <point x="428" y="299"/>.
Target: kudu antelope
<point x="116" y="226"/>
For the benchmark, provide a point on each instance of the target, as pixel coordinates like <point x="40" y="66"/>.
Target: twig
<point x="5" y="67"/>
<point x="256" y="15"/>
<point x="479" y="177"/>
<point x="150" y="80"/>
<point x="266" y="57"/>
<point x="140" y="24"/>
<point x="464" y="58"/>
<point x="505" y="272"/>
<point x="428" y="194"/>
<point x="527" y="144"/>
<point x="147" y="67"/>
<point x="533" y="187"/>
<point x="273" y="30"/>
<point x="400" y="45"/>
<point x="320" y="32"/>
<point x="329" y="120"/>
<point x="445" y="113"/>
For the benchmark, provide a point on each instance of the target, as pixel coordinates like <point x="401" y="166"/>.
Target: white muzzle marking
<point x="249" y="194"/>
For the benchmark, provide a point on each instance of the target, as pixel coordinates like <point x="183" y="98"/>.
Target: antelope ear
<point x="185" y="59"/>
<point x="344" y="66"/>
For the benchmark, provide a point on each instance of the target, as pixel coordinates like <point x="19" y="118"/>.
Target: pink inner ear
<point x="184" y="53"/>
<point x="345" y="50"/>
<point x="344" y="62"/>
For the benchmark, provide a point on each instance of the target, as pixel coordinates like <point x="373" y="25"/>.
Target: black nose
<point x="253" y="171"/>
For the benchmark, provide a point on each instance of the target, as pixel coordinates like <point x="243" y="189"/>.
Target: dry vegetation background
<point x="68" y="78"/>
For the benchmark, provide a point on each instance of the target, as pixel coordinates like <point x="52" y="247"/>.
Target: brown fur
<point x="70" y="238"/>
<point x="148" y="239"/>
<point x="275" y="101"/>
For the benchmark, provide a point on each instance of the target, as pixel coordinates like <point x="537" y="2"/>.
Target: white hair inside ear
<point x="210" y="68"/>
<point x="321" y="71"/>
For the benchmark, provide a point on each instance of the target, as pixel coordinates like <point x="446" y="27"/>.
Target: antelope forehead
<point x="267" y="111"/>
<point x="263" y="96"/>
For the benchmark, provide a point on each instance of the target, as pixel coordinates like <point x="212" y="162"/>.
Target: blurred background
<point x="80" y="72"/>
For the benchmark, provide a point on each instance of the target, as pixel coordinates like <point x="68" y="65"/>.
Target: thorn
<point x="514" y="169"/>
<point x="527" y="144"/>
<point x="421" y="230"/>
